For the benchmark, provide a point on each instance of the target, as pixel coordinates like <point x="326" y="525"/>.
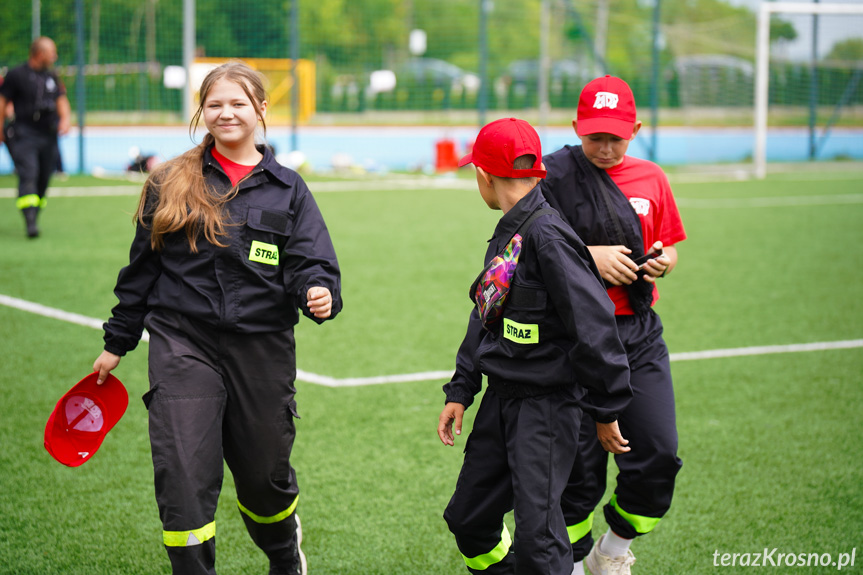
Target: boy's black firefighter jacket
<point x="278" y="247"/>
<point x="557" y="291"/>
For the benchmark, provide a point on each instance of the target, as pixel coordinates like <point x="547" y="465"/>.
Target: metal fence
<point x="689" y="62"/>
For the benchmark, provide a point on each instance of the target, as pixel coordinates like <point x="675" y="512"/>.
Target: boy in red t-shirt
<point x="623" y="209"/>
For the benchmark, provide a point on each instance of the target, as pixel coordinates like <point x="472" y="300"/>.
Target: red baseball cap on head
<point x="499" y="143"/>
<point x="83" y="417"/>
<point x="607" y="106"/>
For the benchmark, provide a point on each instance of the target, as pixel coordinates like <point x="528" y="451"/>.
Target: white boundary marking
<point x="777" y="202"/>
<point x="468" y="185"/>
<point x="328" y="381"/>
<point x="396" y="184"/>
<point x="81" y="192"/>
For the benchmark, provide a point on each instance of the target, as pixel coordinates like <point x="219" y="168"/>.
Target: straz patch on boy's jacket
<point x="520" y="332"/>
<point x="264" y="253"/>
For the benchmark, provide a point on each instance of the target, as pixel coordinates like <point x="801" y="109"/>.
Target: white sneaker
<point x="303" y="565"/>
<point x="598" y="563"/>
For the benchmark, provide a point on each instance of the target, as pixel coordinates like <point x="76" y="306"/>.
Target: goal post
<point x="762" y="63"/>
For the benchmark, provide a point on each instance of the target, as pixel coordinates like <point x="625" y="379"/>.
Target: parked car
<point x="437" y="73"/>
<point x="526" y="72"/>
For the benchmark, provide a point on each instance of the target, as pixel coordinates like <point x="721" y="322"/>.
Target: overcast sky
<point x="830" y="28"/>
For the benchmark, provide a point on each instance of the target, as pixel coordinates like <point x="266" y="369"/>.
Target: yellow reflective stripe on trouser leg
<point x="189" y="538"/>
<point x="30" y="201"/>
<point x="641" y="523"/>
<point x="272" y="518"/>
<point x="579" y="530"/>
<point x="496" y="555"/>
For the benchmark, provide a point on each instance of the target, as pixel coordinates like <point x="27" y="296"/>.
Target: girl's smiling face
<point x="230" y="115"/>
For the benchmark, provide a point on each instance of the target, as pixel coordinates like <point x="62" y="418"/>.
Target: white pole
<point x="188" y="55"/>
<point x="762" y="55"/>
<point x="36" y="19"/>
<point x="544" y="64"/>
<point x="600" y="40"/>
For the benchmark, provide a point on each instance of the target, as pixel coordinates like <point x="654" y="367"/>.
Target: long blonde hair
<point x="182" y="198"/>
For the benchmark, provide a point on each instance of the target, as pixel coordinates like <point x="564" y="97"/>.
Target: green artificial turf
<point x="769" y="442"/>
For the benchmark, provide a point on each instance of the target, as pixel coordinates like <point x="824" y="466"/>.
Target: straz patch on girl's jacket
<point x="264" y="253"/>
<point x="520" y="332"/>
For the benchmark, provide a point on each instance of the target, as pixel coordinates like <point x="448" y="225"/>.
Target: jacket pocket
<point x="285" y="441"/>
<point x="264" y="237"/>
<point x="524" y="316"/>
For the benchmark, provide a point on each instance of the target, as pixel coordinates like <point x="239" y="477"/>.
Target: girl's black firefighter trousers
<point x="222" y="396"/>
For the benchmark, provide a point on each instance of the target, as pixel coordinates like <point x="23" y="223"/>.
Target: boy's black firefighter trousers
<point x="646" y="474"/>
<point x="518" y="456"/>
<point x="214" y="395"/>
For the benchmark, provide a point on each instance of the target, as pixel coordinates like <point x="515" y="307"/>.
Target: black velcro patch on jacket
<point x="274" y="220"/>
<point x="526" y="298"/>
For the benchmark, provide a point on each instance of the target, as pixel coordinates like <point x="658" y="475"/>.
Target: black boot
<point x="30" y="217"/>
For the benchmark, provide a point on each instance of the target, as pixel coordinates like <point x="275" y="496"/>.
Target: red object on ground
<point x="446" y="159"/>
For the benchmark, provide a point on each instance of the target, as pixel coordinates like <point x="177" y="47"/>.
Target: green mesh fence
<point x="356" y="48"/>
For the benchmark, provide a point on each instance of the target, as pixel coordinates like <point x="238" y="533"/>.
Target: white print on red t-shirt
<point x="640" y="205"/>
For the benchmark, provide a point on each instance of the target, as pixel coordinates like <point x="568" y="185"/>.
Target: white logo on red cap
<point x="605" y="100"/>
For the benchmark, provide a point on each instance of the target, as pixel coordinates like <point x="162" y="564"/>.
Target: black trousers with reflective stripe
<point x="645" y="481"/>
<point x="34" y="153"/>
<point x="518" y="456"/>
<point x="215" y="396"/>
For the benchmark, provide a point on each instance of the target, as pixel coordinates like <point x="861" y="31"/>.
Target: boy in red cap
<point x="623" y="209"/>
<point x="554" y="337"/>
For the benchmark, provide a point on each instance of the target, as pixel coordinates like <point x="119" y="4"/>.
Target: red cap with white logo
<point x="498" y="145"/>
<point x="606" y="106"/>
<point x="83" y="417"/>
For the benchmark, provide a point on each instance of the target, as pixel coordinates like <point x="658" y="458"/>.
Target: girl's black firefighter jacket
<point x="278" y="247"/>
<point x="557" y="328"/>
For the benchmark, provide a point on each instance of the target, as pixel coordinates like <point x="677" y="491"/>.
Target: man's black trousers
<point x="34" y="153"/>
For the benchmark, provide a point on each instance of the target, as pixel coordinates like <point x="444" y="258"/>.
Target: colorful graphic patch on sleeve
<point x="494" y="282"/>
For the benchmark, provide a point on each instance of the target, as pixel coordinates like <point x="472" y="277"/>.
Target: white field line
<point x="406" y="184"/>
<point x="777" y="202"/>
<point x="732" y="174"/>
<point x="413" y="184"/>
<point x="80" y="192"/>
<point x="443" y="375"/>
<point x="766" y="350"/>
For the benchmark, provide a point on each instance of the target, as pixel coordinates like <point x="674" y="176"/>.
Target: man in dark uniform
<point x="42" y="113"/>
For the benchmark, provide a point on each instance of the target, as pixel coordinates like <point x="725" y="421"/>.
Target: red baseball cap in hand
<point x="606" y="106"/>
<point x="83" y="417"/>
<point x="498" y="145"/>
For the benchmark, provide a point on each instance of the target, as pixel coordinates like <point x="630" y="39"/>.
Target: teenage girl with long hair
<point x="229" y="247"/>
